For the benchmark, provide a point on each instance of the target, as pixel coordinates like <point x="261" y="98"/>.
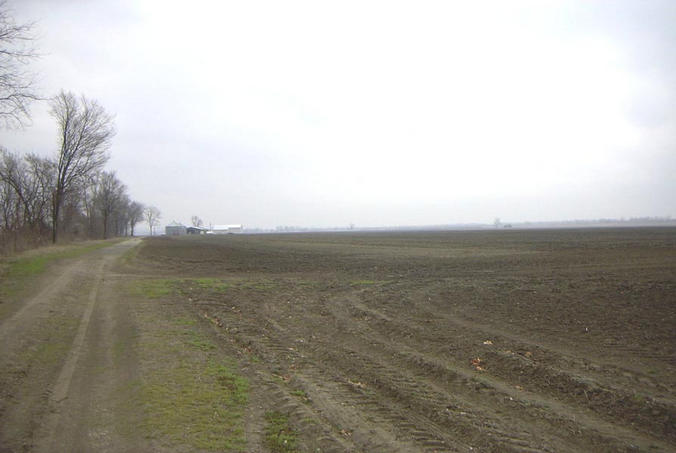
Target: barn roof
<point x="226" y="227"/>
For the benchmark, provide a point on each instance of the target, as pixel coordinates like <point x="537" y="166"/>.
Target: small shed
<point x="175" y="229"/>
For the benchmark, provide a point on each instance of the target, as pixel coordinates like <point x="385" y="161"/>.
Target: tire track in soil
<point x="408" y="394"/>
<point x="61" y="386"/>
<point x="583" y="390"/>
<point x="344" y="404"/>
<point x="50" y="407"/>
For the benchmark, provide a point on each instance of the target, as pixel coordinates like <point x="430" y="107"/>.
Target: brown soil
<point x="523" y="341"/>
<point x="547" y="341"/>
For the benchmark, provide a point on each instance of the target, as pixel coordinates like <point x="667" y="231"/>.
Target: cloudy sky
<point x="373" y="113"/>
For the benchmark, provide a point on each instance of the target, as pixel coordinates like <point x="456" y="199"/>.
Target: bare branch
<point x="17" y="84"/>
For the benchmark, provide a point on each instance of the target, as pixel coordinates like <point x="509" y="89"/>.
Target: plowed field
<point x="524" y="341"/>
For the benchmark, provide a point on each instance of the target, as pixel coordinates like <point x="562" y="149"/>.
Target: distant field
<point x="539" y="340"/>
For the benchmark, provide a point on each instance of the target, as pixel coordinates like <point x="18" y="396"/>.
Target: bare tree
<point x="196" y="221"/>
<point x="30" y="178"/>
<point x="17" y="87"/>
<point x="135" y="214"/>
<point x="110" y="194"/>
<point x="85" y="131"/>
<point x="152" y="215"/>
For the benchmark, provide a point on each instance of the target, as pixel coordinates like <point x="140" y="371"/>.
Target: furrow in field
<point x="333" y="396"/>
<point x="516" y="363"/>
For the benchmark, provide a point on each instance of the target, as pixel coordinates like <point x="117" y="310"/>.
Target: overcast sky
<point x="373" y="113"/>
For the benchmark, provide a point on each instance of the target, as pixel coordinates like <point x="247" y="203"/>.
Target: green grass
<point x="35" y="262"/>
<point x="214" y="284"/>
<point x="279" y="436"/>
<point x="195" y="340"/>
<point x="161" y="287"/>
<point x="199" y="405"/>
<point x="155" y="288"/>
<point x="18" y="274"/>
<point x="302" y="394"/>
<point x="189" y="396"/>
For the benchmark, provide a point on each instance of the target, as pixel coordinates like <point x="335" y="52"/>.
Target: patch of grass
<point x="214" y="284"/>
<point x="185" y="322"/>
<point x="259" y="285"/>
<point x="197" y="341"/>
<point x="18" y="271"/>
<point x="189" y="396"/>
<point x="279" y="436"/>
<point x="302" y="394"/>
<point x="198" y="405"/>
<point x="155" y="288"/>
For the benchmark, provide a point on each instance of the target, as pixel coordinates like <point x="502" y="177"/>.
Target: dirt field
<point x="522" y="341"/>
<point x="552" y="340"/>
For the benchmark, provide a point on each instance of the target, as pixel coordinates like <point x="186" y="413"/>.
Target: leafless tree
<point x="109" y="199"/>
<point x="152" y="215"/>
<point x="30" y="178"/>
<point x="196" y="221"/>
<point x="17" y="87"/>
<point x="135" y="214"/>
<point x="85" y="133"/>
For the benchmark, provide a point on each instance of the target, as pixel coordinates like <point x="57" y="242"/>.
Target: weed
<point x="302" y="394"/>
<point x="279" y="436"/>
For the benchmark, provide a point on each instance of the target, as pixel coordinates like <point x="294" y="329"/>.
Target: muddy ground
<point x="549" y="340"/>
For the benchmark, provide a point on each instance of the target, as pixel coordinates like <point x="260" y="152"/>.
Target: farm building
<point x="196" y="230"/>
<point x="226" y="229"/>
<point x="175" y="229"/>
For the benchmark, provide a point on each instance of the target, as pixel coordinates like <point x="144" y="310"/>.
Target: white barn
<point x="226" y="229"/>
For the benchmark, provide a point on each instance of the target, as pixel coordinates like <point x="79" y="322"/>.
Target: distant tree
<point x="196" y="221"/>
<point x="17" y="88"/>
<point x="135" y="214"/>
<point x="85" y="133"/>
<point x="152" y="215"/>
<point x="109" y="199"/>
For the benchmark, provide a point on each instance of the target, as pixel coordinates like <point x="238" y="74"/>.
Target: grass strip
<point x="190" y="394"/>
<point x="19" y="272"/>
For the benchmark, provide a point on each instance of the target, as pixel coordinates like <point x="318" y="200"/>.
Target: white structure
<point x="226" y="229"/>
<point x="175" y="229"/>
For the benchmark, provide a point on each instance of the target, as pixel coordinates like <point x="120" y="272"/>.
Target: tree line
<point x="68" y="195"/>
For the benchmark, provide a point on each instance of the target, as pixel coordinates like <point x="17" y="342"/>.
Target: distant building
<point x="175" y="229"/>
<point x="196" y="230"/>
<point x="226" y="229"/>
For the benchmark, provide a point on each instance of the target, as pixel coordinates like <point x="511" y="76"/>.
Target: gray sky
<point x="377" y="113"/>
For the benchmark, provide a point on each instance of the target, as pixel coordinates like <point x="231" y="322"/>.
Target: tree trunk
<point x="55" y="216"/>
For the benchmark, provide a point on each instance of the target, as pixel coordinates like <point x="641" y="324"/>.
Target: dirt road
<point x="58" y="374"/>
